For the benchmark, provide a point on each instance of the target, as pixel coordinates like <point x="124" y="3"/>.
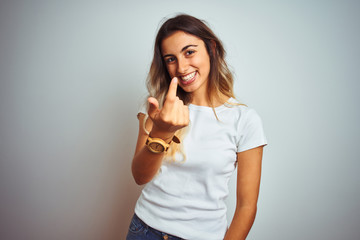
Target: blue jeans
<point x="139" y="230"/>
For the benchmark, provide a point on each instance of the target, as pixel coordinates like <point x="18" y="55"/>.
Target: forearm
<point x="163" y="123"/>
<point x="145" y="165"/>
<point x="241" y="224"/>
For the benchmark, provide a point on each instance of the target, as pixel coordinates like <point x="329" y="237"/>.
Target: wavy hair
<point x="220" y="82"/>
<point x="220" y="77"/>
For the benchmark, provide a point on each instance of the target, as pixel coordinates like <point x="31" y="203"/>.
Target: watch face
<point x="157" y="147"/>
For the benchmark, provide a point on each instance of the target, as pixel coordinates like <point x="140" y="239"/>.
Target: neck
<point x="200" y="101"/>
<point x="204" y="100"/>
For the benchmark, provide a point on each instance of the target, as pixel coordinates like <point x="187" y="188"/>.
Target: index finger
<point x="172" y="89"/>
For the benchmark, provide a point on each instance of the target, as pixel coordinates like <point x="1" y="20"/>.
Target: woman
<point x="186" y="179"/>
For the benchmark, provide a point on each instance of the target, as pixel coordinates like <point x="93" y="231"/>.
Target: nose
<point x="182" y="66"/>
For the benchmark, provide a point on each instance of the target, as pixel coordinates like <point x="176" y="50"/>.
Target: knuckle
<point x="170" y="99"/>
<point x="174" y="122"/>
<point x="186" y="123"/>
<point x="162" y="116"/>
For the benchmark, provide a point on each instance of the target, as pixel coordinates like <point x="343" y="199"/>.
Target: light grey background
<point x="72" y="75"/>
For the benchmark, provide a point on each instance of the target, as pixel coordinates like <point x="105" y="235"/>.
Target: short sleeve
<point x="142" y="107"/>
<point x="251" y="131"/>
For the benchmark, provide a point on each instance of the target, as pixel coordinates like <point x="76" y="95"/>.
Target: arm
<point x="248" y="184"/>
<point x="145" y="163"/>
<point x="163" y="123"/>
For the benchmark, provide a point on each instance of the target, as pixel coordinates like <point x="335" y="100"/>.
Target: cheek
<point x="171" y="70"/>
<point x="204" y="62"/>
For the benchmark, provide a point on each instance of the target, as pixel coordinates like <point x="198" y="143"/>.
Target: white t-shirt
<point x="186" y="198"/>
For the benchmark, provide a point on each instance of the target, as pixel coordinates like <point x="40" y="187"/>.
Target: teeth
<point x="188" y="77"/>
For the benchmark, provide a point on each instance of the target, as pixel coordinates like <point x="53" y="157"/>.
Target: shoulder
<point x="240" y="109"/>
<point x="243" y="115"/>
<point x="142" y="105"/>
<point x="249" y="128"/>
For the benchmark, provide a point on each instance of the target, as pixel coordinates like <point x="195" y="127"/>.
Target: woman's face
<point x="187" y="59"/>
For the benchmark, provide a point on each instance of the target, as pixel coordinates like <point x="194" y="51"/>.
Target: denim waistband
<point x="163" y="235"/>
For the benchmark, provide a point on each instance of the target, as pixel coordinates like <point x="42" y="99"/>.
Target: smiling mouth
<point x="189" y="78"/>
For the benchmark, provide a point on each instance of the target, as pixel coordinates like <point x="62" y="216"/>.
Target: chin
<point x="188" y="89"/>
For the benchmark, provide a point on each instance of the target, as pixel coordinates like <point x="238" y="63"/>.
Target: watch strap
<point x="158" y="141"/>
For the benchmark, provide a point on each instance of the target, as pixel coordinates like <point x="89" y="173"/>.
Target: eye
<point x="189" y="52"/>
<point x="170" y="59"/>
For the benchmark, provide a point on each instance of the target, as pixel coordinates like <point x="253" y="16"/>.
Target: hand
<point x="173" y="116"/>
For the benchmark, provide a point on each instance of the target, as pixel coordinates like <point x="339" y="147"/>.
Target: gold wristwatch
<point x="157" y="145"/>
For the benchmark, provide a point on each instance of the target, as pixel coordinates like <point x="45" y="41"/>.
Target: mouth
<point x="188" y="78"/>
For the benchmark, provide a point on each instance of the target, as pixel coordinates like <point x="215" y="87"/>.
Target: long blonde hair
<point x="220" y="81"/>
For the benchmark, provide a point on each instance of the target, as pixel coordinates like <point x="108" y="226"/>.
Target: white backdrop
<point x="72" y="74"/>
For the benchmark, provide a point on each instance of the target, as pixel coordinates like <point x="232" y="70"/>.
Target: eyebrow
<point x="183" y="49"/>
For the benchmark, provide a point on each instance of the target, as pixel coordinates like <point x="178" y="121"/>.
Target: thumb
<point x="153" y="107"/>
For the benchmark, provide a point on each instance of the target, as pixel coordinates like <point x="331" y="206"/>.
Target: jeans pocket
<point x="136" y="225"/>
